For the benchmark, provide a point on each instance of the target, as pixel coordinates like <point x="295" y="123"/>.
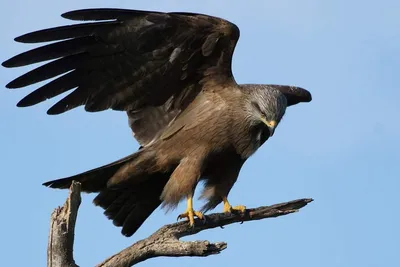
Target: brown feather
<point x="129" y="207"/>
<point x="127" y="194"/>
<point x="136" y="61"/>
<point x="184" y="179"/>
<point x="220" y="176"/>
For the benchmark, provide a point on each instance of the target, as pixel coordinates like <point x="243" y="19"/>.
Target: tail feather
<point x="93" y="180"/>
<point x="106" y="197"/>
<point x="129" y="189"/>
<point x="133" y="222"/>
<point x="121" y="201"/>
<point x="120" y="215"/>
<point x="130" y="207"/>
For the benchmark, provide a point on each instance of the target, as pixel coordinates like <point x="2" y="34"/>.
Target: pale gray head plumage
<point x="266" y="105"/>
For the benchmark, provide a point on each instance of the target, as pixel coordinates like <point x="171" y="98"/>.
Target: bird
<point x="171" y="73"/>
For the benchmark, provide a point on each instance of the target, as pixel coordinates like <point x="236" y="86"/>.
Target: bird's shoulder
<point x="208" y="106"/>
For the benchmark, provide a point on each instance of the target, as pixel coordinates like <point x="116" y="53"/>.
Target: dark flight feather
<point x="47" y="71"/>
<point x="294" y="94"/>
<point x="128" y="60"/>
<point x="51" y="89"/>
<point x="104" y="14"/>
<point x="51" y="51"/>
<point x="65" y="32"/>
<point x="74" y="99"/>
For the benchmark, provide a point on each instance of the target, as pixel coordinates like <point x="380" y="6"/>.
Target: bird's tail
<point x="95" y="180"/>
<point x="127" y="204"/>
<point x="129" y="207"/>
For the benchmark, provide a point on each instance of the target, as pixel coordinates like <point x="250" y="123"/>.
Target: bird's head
<point x="266" y="107"/>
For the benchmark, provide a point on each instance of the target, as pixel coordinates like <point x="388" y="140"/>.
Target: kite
<point x="172" y="75"/>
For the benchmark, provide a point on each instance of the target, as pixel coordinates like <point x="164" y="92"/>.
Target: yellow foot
<point x="229" y="209"/>
<point x="189" y="214"/>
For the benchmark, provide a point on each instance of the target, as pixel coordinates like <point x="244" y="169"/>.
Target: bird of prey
<point x="172" y="74"/>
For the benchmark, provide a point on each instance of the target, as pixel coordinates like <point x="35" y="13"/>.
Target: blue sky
<point x="342" y="149"/>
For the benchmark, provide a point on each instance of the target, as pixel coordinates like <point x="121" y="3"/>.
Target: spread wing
<point x="149" y="64"/>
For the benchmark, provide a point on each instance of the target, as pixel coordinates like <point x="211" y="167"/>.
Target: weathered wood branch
<point x="164" y="242"/>
<point x="62" y="230"/>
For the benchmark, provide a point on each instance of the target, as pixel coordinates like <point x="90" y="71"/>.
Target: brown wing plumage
<point x="149" y="64"/>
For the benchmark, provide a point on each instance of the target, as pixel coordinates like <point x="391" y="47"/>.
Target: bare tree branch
<point x="62" y="230"/>
<point x="164" y="242"/>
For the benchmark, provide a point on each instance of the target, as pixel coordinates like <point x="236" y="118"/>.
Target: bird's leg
<point x="229" y="209"/>
<point x="190" y="212"/>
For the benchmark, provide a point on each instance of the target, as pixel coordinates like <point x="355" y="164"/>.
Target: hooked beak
<point x="270" y="124"/>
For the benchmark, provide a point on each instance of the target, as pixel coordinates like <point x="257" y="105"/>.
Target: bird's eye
<point x="255" y="104"/>
<point x="257" y="107"/>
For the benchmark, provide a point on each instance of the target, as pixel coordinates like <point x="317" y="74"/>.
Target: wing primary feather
<point x="48" y="71"/>
<point x="51" y="89"/>
<point x="103" y="14"/>
<point x="77" y="98"/>
<point x="66" y="32"/>
<point x="51" y="51"/>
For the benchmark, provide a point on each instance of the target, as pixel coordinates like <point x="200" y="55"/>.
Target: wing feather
<point x="293" y="94"/>
<point x="65" y="32"/>
<point x="51" y="51"/>
<point x="51" y="89"/>
<point x="147" y="63"/>
<point x="47" y="71"/>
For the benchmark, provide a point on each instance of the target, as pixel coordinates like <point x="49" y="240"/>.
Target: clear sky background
<point x="342" y="149"/>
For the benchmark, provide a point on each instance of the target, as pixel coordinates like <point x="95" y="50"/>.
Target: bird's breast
<point x="250" y="140"/>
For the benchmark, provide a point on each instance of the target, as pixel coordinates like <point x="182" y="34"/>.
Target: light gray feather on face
<point x="265" y="101"/>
